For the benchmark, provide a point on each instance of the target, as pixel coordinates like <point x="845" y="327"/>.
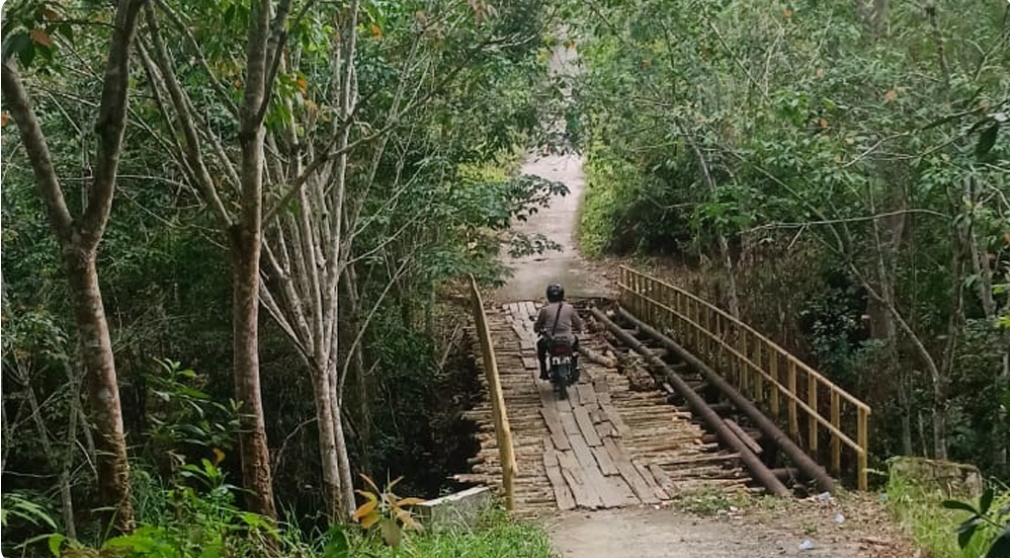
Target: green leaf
<point x="957" y="505"/>
<point x="966" y="531"/>
<point x="55" y="543"/>
<point x="986" y="501"/>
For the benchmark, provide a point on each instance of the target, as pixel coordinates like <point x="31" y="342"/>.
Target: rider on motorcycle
<point x="559" y="321"/>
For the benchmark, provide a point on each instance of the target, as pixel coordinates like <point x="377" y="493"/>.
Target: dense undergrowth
<point x="937" y="529"/>
<point x="200" y="517"/>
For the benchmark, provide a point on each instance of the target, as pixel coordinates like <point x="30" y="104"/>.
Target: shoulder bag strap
<point x="556" y="316"/>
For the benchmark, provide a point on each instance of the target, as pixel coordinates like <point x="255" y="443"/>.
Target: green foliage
<point x="945" y="528"/>
<point x="386" y="512"/>
<point x="17" y="506"/>
<point x="807" y="135"/>
<point x="202" y="519"/>
<point x="991" y="523"/>
<point x="182" y="417"/>
<point x="497" y="536"/>
<point x="626" y="210"/>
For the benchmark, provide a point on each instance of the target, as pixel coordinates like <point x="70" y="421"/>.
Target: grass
<point x="711" y="501"/>
<point x="497" y="536"/>
<point x="918" y="509"/>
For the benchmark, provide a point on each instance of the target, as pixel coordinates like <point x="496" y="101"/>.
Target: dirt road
<point x="667" y="533"/>
<point x="558" y="222"/>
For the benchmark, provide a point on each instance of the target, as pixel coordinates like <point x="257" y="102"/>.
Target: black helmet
<point x="555" y="293"/>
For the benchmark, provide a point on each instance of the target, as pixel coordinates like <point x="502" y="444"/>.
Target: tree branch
<point x="111" y="122"/>
<point x="37" y="149"/>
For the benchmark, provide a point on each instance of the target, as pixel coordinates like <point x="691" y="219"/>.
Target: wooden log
<point x="788" y="473"/>
<point x="595" y="357"/>
<point x="770" y="429"/>
<point x="712" y="438"/>
<point x="754" y="446"/>
<point x="754" y="465"/>
<point x="706" y="458"/>
<point x="723" y="408"/>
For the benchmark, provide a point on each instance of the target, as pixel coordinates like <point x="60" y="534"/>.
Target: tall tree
<point x="80" y="237"/>
<point x="240" y="174"/>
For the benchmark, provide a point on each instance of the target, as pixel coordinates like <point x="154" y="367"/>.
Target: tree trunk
<point x="364" y="419"/>
<point x="904" y="404"/>
<point x="247" y="239"/>
<point x="325" y="416"/>
<point x="346" y="481"/>
<point x="103" y="390"/>
<point x="724" y="252"/>
<point x="984" y="283"/>
<point x="256" y="475"/>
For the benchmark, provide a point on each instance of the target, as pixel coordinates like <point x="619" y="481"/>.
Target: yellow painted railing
<point x="760" y="369"/>
<point x="503" y="432"/>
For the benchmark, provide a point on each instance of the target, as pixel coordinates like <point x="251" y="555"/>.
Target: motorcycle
<point x="561" y="365"/>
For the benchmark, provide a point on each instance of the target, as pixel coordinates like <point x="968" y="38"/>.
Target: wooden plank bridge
<point x="626" y="436"/>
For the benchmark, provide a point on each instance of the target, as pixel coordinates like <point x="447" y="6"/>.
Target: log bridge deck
<point x="617" y="441"/>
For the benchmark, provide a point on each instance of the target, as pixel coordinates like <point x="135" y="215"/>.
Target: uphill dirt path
<point x="761" y="530"/>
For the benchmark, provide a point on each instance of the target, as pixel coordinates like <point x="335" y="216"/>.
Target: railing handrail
<point x="789" y="356"/>
<point x="503" y="431"/>
<point x="747" y="350"/>
<point x="817" y="415"/>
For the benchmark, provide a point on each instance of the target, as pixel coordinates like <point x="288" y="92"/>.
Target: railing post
<point x="720" y="349"/>
<point x="620" y="281"/>
<point x="773" y="370"/>
<point x="743" y="367"/>
<point x="836" y="442"/>
<point x="794" y="424"/>
<point x="651" y="289"/>
<point x="863" y="440"/>
<point x="710" y="341"/>
<point x="811" y="421"/>
<point x="759" y="392"/>
<point x="640" y="297"/>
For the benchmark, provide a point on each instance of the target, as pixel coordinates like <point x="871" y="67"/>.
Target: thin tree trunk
<point x="246" y="239"/>
<point x="103" y="389"/>
<point x="357" y="357"/>
<point x="66" y="497"/>
<point x="346" y="481"/>
<point x="325" y="417"/>
<point x="724" y="252"/>
<point x="256" y="475"/>
<point x="984" y="284"/>
<point x="904" y="404"/>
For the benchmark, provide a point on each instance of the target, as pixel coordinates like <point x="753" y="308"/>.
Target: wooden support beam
<point x="753" y="464"/>
<point x="802" y="460"/>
